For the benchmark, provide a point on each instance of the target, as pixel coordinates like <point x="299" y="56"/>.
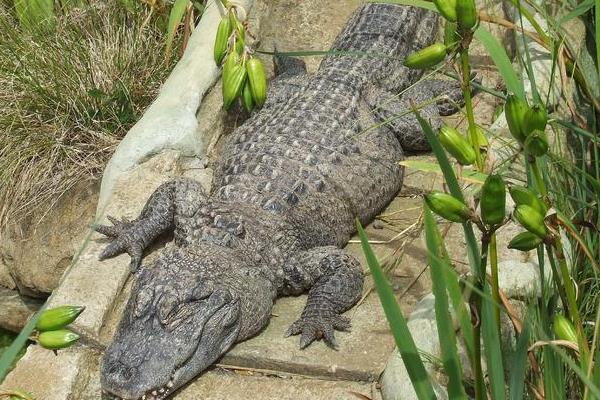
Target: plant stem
<point x="466" y="87"/>
<point x="495" y="286"/>
<point x="539" y="179"/>
<point x="480" y="286"/>
<point x="572" y="301"/>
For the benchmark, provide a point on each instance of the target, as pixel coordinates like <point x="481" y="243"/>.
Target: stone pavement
<point x="268" y="366"/>
<point x="264" y="367"/>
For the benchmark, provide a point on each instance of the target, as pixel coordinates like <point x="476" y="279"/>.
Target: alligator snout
<point x="120" y="374"/>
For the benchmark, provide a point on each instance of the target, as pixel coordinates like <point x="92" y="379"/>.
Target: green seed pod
<point x="427" y="57"/>
<point x="523" y="196"/>
<point x="525" y="241"/>
<point x="531" y="220"/>
<point x="466" y="15"/>
<point x="451" y="36"/>
<point x="493" y="200"/>
<point x="515" y="110"/>
<point x="222" y="38"/>
<point x="247" y="98"/>
<point x="258" y="80"/>
<point x="564" y="329"/>
<point x="536" y="143"/>
<point x="448" y="207"/>
<point x="234" y="77"/>
<point x="457" y="145"/>
<point x="447" y="8"/>
<point x="232" y="60"/>
<point x="536" y="118"/>
<point x="59" y="317"/>
<point x="59" y="339"/>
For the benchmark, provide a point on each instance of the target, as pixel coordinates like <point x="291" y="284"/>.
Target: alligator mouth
<point x="160" y="393"/>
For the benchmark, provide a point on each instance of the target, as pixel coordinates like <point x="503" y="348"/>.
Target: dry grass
<point x="68" y="97"/>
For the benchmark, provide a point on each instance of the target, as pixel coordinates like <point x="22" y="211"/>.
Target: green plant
<point x="67" y="97"/>
<point x="244" y="76"/>
<point x="545" y="208"/>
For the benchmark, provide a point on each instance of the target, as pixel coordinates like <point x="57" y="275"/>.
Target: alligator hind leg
<point x="172" y="200"/>
<point x="433" y="98"/>
<point x="335" y="281"/>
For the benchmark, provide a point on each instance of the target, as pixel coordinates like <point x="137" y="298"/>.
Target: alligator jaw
<point x="154" y="394"/>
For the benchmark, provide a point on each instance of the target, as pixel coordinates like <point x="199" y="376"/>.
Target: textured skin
<point x="288" y="186"/>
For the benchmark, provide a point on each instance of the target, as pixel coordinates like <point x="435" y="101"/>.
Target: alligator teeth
<point x="170" y="384"/>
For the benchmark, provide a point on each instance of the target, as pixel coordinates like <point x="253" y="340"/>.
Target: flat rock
<point x="16" y="309"/>
<point x="54" y="377"/>
<point x="227" y="385"/>
<point x="395" y="382"/>
<point x="35" y="253"/>
<point x="361" y="354"/>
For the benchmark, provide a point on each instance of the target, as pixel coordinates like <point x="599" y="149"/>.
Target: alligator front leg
<point x="335" y="280"/>
<point x="171" y="200"/>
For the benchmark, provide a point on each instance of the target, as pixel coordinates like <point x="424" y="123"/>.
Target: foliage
<point x="68" y="95"/>
<point x="566" y="317"/>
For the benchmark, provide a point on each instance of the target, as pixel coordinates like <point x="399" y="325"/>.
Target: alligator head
<point x="178" y="321"/>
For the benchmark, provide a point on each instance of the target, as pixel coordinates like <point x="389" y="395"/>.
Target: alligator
<point x="288" y="186"/>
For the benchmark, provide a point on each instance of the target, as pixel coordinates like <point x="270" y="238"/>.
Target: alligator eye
<point x="166" y="308"/>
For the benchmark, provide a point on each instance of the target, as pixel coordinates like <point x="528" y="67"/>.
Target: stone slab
<point x="227" y="385"/>
<point x="48" y="376"/>
<point x="361" y="354"/>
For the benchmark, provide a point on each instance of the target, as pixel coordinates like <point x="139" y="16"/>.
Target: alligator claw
<point x="122" y="235"/>
<point x="313" y="328"/>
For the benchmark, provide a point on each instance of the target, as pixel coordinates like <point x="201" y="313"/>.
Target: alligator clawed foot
<point x="124" y="240"/>
<point x="318" y="327"/>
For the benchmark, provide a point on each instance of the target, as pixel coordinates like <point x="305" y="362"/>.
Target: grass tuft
<point x="68" y="96"/>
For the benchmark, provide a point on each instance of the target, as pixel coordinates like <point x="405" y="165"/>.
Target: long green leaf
<point x="519" y="362"/>
<point x="466" y="175"/>
<point x="406" y="345"/>
<point x="175" y="16"/>
<point x="567" y="359"/>
<point x="581" y="9"/>
<point x="502" y="61"/>
<point x="446" y="334"/>
<point x="493" y="350"/>
<point x="460" y="308"/>
<point x="596" y="371"/>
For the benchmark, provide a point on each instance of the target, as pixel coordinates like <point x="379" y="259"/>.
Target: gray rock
<point x="16" y="309"/>
<point x="226" y="385"/>
<point x="35" y="254"/>
<point x="361" y="354"/>
<point x="55" y="377"/>
<point x="395" y="382"/>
